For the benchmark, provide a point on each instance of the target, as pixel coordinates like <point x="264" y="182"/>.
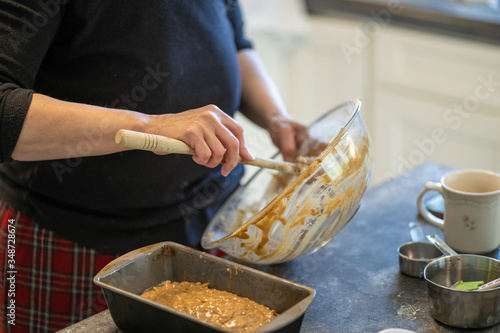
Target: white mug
<point x="471" y="221"/>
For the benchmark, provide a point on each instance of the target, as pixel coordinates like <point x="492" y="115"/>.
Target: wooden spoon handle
<point x="152" y="142"/>
<point x="158" y="143"/>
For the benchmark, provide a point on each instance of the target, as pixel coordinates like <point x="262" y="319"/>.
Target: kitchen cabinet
<point x="426" y="96"/>
<point x="320" y="77"/>
<point x="426" y="84"/>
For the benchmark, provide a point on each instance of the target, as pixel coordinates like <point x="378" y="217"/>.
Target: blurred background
<point x="428" y="73"/>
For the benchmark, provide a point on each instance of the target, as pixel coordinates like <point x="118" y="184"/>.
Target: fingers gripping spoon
<point x="158" y="143"/>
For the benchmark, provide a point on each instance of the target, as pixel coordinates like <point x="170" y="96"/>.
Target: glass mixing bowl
<point x="276" y="217"/>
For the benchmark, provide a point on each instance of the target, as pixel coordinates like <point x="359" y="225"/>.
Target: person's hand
<point x="287" y="134"/>
<point x="215" y="136"/>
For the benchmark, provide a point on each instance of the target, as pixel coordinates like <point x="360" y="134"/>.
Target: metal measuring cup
<point x="415" y="255"/>
<point x="462" y="308"/>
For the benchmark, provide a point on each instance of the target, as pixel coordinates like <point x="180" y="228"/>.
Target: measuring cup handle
<point x="426" y="214"/>
<point x="441" y="245"/>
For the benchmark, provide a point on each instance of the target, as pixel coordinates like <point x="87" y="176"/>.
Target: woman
<point x="72" y="73"/>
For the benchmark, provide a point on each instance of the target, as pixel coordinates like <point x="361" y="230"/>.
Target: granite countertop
<point x="475" y="20"/>
<point x="356" y="275"/>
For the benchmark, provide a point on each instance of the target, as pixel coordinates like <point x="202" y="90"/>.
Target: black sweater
<point x="155" y="56"/>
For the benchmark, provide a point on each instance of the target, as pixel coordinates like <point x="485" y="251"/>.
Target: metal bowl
<point x="124" y="279"/>
<point x="271" y="219"/>
<point x="459" y="308"/>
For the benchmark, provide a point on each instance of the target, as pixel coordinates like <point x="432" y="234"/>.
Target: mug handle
<point x="426" y="214"/>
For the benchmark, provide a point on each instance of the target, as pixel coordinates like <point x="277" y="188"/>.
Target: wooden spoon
<point x="158" y="143"/>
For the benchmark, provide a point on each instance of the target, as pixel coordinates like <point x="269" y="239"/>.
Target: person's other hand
<point x="287" y="134"/>
<point x="216" y="137"/>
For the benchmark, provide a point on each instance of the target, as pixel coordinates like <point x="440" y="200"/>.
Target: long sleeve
<point x="155" y="58"/>
<point x="26" y="31"/>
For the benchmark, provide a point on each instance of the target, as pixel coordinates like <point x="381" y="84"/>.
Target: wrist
<point x="275" y="120"/>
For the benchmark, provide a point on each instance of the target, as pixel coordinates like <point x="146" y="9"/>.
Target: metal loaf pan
<point x="126" y="277"/>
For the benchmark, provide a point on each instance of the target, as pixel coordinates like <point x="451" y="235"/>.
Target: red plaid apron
<point x="45" y="280"/>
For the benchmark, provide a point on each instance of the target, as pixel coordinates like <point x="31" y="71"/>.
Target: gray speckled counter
<point x="356" y="276"/>
<point x="101" y="322"/>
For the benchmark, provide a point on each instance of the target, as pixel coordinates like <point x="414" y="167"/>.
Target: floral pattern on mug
<point x="469" y="223"/>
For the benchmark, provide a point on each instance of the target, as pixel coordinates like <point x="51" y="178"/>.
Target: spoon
<point x="158" y="143"/>
<point x="492" y="284"/>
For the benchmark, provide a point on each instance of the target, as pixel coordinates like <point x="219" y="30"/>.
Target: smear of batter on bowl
<point x="321" y="196"/>
<point x="274" y="219"/>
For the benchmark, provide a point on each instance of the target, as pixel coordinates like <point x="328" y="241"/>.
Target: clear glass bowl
<point x="276" y="217"/>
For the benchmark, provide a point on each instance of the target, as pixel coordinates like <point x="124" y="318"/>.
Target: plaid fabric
<point x="45" y="280"/>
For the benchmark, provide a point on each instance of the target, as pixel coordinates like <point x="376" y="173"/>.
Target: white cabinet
<point x="408" y="132"/>
<point x="310" y="69"/>
<point x="320" y="76"/>
<point x="426" y="84"/>
<point x="426" y="96"/>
